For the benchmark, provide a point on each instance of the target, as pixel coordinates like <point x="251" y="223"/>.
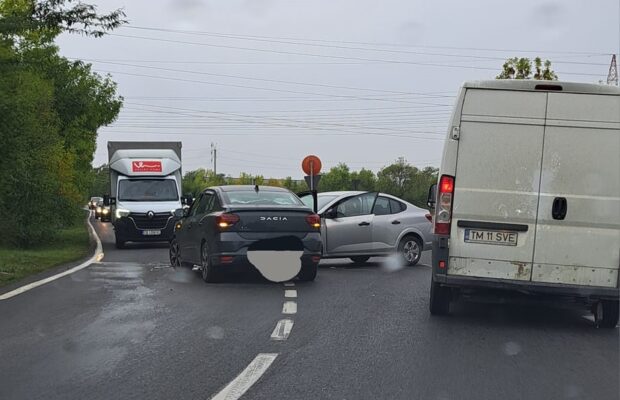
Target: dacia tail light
<point x="224" y="221"/>
<point x="314" y="221"/>
<point x="443" y="212"/>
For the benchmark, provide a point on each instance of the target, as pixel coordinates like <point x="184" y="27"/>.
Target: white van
<point x="528" y="197"/>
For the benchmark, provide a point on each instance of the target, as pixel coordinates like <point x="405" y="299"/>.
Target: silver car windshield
<point x="322" y="200"/>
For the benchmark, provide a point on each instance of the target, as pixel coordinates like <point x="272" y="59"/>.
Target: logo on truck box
<point x="146" y="166"/>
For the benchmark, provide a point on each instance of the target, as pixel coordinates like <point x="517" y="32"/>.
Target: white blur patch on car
<point x="392" y="263"/>
<point x="276" y="265"/>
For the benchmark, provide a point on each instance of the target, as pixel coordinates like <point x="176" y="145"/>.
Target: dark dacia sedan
<point x="226" y="222"/>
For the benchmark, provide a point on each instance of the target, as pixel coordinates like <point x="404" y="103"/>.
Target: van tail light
<point x="443" y="212"/>
<point x="313" y="220"/>
<point x="225" y="221"/>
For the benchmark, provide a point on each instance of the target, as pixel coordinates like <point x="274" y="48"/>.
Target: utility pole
<point x="612" y="76"/>
<point x="214" y="158"/>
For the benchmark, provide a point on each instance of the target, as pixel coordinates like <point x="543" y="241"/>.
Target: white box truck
<point x="145" y="189"/>
<point x="528" y="198"/>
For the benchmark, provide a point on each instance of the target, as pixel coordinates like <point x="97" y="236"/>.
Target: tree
<point x="363" y="179"/>
<point x="337" y="178"/>
<point x="50" y="110"/>
<point x="521" y="68"/>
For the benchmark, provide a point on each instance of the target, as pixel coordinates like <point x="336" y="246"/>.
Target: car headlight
<point x="105" y="211"/>
<point x="121" y="212"/>
<point x="98" y="209"/>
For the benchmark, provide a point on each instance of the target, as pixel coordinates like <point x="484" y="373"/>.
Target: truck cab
<point x="145" y="179"/>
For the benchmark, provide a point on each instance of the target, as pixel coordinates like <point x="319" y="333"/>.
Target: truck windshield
<point x="147" y="190"/>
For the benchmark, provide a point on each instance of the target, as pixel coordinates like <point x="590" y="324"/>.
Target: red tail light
<point x="314" y="221"/>
<point x="225" y="221"/>
<point x="443" y="212"/>
<point x="429" y="217"/>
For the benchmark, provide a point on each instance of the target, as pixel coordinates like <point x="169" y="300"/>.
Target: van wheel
<point x="410" y="248"/>
<point x="120" y="244"/>
<point x="440" y="299"/>
<point x="606" y="313"/>
<point x="360" y="259"/>
<point x="207" y="271"/>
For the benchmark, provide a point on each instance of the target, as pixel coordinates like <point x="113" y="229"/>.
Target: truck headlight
<point x="121" y="212"/>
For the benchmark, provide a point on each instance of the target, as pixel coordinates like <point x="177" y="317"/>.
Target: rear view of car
<point x="228" y="223"/>
<point x="528" y="197"/>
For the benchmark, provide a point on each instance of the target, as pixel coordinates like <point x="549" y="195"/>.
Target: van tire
<point x="611" y="311"/>
<point x="439" y="303"/>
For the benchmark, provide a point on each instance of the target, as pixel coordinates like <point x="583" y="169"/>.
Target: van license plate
<point x="501" y="238"/>
<point x="151" y="232"/>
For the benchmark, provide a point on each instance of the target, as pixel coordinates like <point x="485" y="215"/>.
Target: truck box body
<point x="145" y="179"/>
<point x="534" y="173"/>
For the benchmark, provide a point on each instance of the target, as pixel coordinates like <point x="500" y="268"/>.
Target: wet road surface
<point x="131" y="327"/>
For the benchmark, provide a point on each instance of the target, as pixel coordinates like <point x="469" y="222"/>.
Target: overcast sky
<point x="362" y="82"/>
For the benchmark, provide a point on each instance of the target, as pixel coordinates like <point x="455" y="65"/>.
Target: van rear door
<point x="497" y="177"/>
<point x="578" y="228"/>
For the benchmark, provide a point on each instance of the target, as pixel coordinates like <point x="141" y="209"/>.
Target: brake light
<point x="224" y="221"/>
<point x="443" y="212"/>
<point x="313" y="220"/>
<point x="429" y="217"/>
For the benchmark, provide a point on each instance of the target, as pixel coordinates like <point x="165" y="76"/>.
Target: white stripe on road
<point x="289" y="307"/>
<point x="290" y="294"/>
<point x="289" y="283"/>
<point x="96" y="257"/>
<point x="246" y="378"/>
<point x="282" y="330"/>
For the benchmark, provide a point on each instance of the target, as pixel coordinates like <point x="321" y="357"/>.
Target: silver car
<point x="359" y="225"/>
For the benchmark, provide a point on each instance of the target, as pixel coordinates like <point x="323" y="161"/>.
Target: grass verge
<point x="71" y="244"/>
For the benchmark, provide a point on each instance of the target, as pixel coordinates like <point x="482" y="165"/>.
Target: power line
<point x="237" y="36"/>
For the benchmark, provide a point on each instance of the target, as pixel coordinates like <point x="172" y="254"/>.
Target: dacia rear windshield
<point x="250" y="197"/>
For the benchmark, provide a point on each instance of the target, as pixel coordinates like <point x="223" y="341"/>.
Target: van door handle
<point x="559" y="208"/>
<point x="395" y="222"/>
<point x="364" y="223"/>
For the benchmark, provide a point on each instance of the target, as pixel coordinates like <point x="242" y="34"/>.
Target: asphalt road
<point x="131" y="327"/>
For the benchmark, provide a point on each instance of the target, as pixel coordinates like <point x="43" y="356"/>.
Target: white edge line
<point x="282" y="330"/>
<point x="248" y="377"/>
<point x="97" y="256"/>
<point x="289" y="284"/>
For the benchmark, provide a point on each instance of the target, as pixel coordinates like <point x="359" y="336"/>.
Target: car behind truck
<point x="528" y="198"/>
<point x="145" y="189"/>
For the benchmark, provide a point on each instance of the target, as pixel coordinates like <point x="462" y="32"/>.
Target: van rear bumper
<point x="589" y="292"/>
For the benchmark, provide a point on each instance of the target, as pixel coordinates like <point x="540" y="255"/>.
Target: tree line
<point x="400" y="179"/>
<point x="50" y="110"/>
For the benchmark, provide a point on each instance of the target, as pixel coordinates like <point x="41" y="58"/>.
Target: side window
<point x="397" y="206"/>
<point x="201" y="205"/>
<point x="208" y="204"/>
<point x="382" y="206"/>
<point x="195" y="205"/>
<point x="358" y="205"/>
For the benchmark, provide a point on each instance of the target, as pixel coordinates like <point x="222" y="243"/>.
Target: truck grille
<point x="159" y="220"/>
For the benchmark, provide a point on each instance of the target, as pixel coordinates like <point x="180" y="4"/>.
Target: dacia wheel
<point x="307" y="273"/>
<point x="439" y="303"/>
<point x="208" y="272"/>
<point x="410" y="248"/>
<point x="175" y="254"/>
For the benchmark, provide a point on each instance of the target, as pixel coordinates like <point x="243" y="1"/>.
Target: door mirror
<point x="180" y="212"/>
<point x="108" y="201"/>
<point x="187" y="200"/>
<point x="331" y="213"/>
<point x="432" y="196"/>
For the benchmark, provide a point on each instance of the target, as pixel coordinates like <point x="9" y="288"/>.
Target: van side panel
<point x="581" y="162"/>
<point x="497" y="178"/>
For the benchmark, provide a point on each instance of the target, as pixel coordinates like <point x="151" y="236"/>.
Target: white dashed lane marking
<point x="249" y="376"/>
<point x="282" y="330"/>
<point x="291" y="294"/>
<point x="289" y="307"/>
<point x="289" y="284"/>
